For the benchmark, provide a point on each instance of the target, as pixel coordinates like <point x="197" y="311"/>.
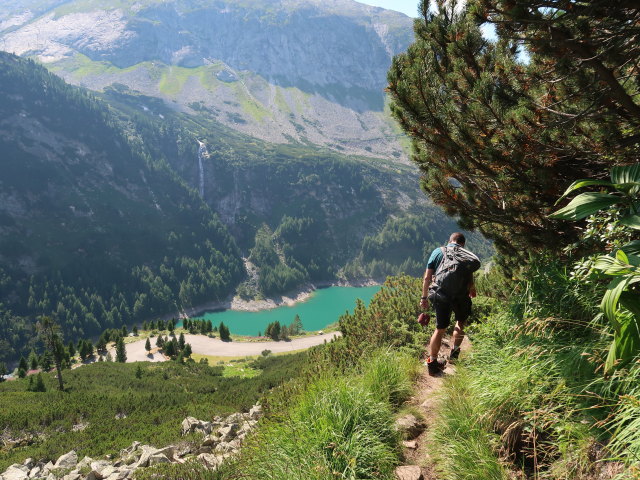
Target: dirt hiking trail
<point x="425" y="401"/>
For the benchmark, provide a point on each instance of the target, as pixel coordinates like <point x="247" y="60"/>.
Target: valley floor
<point x="204" y="345"/>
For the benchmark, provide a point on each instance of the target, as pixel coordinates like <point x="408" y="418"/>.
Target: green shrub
<point x="191" y="470"/>
<point x="483" y="308"/>
<point x="154" y="404"/>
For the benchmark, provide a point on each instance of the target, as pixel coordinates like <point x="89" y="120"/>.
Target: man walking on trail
<point x="448" y="285"/>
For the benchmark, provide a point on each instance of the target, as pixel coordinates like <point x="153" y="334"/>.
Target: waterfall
<point x="202" y="152"/>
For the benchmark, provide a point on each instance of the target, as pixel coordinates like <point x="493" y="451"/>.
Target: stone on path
<point x="411" y="444"/>
<point x="409" y="472"/>
<point x="410" y="426"/>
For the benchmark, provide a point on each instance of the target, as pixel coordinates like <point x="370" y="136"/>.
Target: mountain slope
<point x="316" y="207"/>
<point x="107" y="212"/>
<point x="90" y="229"/>
<point x="286" y="71"/>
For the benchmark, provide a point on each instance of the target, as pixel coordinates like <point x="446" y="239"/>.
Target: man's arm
<point x="472" y="288"/>
<point x="428" y="277"/>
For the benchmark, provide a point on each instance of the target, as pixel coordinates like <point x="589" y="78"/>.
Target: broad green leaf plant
<point x="621" y="302"/>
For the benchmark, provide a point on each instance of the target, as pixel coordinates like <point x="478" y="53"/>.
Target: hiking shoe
<point x="455" y="353"/>
<point x="435" y="366"/>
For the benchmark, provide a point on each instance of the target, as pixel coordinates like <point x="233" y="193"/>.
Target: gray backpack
<point x="454" y="274"/>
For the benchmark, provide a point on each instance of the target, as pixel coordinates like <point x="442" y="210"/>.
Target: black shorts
<point x="461" y="307"/>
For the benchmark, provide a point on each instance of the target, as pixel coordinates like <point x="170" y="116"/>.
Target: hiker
<point x="448" y="285"/>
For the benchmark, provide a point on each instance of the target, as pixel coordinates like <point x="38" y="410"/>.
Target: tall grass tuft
<point x="463" y="440"/>
<point x="340" y="426"/>
<point x="625" y="442"/>
<point x="389" y="376"/>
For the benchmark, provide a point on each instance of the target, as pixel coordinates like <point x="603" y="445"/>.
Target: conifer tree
<point x="181" y="342"/>
<point x="284" y="333"/>
<point x="46" y="362"/>
<point x="101" y="344"/>
<point x="39" y="384"/>
<point x="23" y="364"/>
<point x="88" y="349"/>
<point x="225" y="335"/>
<point x="498" y="139"/>
<point x="72" y="349"/>
<point x="147" y="345"/>
<point x="33" y="360"/>
<point x="273" y="330"/>
<point x="82" y="349"/>
<point x="121" y="351"/>
<point x="49" y="333"/>
<point x="296" y="327"/>
<point x="36" y="384"/>
<point x="3" y="371"/>
<point x="170" y="348"/>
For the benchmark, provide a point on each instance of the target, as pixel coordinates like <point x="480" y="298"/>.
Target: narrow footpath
<point x="418" y="464"/>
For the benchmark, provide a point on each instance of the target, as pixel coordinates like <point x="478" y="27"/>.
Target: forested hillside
<point x="103" y="221"/>
<point x="92" y="229"/>
<point x="312" y="209"/>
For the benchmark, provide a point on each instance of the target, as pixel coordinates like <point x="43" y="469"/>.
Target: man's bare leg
<point x="436" y="342"/>
<point x="458" y="334"/>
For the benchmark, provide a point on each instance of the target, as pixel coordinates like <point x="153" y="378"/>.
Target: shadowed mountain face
<point x="112" y="213"/>
<point x="284" y="71"/>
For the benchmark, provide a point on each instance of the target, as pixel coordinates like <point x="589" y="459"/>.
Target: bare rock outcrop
<point x="221" y="439"/>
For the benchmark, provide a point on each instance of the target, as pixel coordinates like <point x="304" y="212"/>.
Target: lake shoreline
<point x="299" y="295"/>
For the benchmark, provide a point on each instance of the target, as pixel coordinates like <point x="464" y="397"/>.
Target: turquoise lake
<point x="323" y="308"/>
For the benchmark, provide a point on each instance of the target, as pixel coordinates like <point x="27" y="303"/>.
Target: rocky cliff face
<point x="290" y="70"/>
